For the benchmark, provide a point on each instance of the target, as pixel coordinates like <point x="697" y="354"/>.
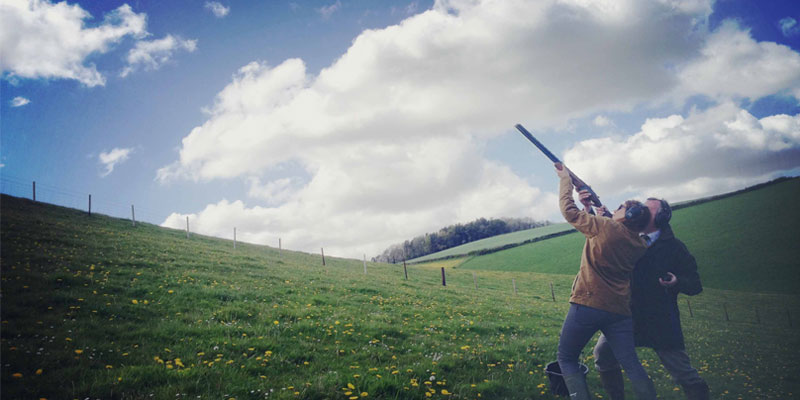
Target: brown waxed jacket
<point x="609" y="255"/>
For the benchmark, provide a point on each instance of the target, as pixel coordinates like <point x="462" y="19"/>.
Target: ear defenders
<point x="634" y="212"/>
<point x="663" y="215"/>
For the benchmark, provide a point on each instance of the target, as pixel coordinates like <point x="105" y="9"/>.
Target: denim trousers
<point x="675" y="361"/>
<point x="582" y="323"/>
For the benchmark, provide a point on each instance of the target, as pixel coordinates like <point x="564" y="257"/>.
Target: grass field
<point x="495" y="242"/>
<point x="95" y="308"/>
<point x="747" y="242"/>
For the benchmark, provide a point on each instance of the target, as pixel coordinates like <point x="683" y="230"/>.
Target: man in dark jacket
<point x="666" y="269"/>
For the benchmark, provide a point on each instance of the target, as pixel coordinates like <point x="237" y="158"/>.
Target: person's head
<point x="660" y="214"/>
<point x="633" y="214"/>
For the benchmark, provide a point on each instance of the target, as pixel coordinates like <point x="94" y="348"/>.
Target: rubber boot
<point x="613" y="384"/>
<point x="696" y="391"/>
<point x="644" y="389"/>
<point x="576" y="385"/>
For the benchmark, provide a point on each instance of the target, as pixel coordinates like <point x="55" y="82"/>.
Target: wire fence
<point x="60" y="196"/>
<point x="768" y="309"/>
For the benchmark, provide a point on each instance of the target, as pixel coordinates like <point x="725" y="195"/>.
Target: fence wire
<point x="71" y="198"/>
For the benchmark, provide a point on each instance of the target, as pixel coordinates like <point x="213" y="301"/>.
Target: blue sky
<point x="352" y="125"/>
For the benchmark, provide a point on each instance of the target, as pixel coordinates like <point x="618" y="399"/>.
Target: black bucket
<point x="556" y="378"/>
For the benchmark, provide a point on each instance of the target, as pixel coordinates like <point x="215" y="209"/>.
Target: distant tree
<point x="455" y="235"/>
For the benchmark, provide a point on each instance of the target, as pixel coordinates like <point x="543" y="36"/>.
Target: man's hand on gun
<point x="562" y="171"/>
<point x="585" y="197"/>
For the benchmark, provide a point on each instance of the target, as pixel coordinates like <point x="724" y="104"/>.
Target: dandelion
<point x="79" y="352"/>
<point x="17" y="375"/>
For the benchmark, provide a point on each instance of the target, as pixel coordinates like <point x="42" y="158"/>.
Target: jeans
<point x="582" y="323"/>
<point x="676" y="362"/>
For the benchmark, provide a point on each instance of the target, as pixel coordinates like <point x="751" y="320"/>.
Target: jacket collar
<point x="666" y="234"/>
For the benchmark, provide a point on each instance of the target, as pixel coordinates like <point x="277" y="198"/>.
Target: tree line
<point x="455" y="235"/>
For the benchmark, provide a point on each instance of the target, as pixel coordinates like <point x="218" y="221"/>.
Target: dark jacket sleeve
<point x="686" y="271"/>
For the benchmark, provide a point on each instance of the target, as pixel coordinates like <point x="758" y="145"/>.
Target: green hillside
<point x="745" y="242"/>
<point x="496" y="242"/>
<point x="95" y="308"/>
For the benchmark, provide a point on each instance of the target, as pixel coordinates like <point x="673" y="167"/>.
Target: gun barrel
<point x="537" y="143"/>
<point x="578" y="182"/>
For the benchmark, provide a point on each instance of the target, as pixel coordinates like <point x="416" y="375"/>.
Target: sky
<point x="354" y="125"/>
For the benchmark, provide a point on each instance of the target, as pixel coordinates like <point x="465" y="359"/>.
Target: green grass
<point x="746" y="242"/>
<point x="495" y="242"/>
<point x="94" y="308"/>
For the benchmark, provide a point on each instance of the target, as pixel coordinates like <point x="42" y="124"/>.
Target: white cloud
<point x="789" y="26"/>
<point x="151" y="55"/>
<point x="217" y="9"/>
<point x="39" y="39"/>
<point x="708" y="152"/>
<point x="19" y="101"/>
<point x="602" y="121"/>
<point x="274" y="192"/>
<point x="327" y="11"/>
<point x="733" y="64"/>
<point x="112" y="158"/>
<point x="391" y="136"/>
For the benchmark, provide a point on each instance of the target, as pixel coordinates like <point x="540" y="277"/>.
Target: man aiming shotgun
<point x="578" y="182"/>
<point x="601" y="291"/>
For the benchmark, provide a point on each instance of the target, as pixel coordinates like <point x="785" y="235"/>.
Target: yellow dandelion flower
<point x="364" y="394"/>
<point x="134" y="301"/>
<point x="350" y="386"/>
<point x="39" y="371"/>
<point x="79" y="351"/>
<point x="17" y="375"/>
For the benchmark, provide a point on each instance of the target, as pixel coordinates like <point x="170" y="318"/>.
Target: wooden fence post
<point x="405" y="270"/>
<point x="365" y="264"/>
<point x="475" y="280"/>
<point x="187" y="226"/>
<point x="34" y="190"/>
<point x="90" y="205"/>
<point x="280" y="247"/>
<point x="514" y="284"/>
<point x="725" y="308"/>
<point x="234" y="238"/>
<point x="444" y="282"/>
<point x="133" y="216"/>
<point x="552" y="292"/>
<point x="323" y="255"/>
<point x="688" y="304"/>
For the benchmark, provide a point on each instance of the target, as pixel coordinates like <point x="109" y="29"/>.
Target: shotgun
<point x="578" y="182"/>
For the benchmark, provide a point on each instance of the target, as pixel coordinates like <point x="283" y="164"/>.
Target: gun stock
<point x="578" y="182"/>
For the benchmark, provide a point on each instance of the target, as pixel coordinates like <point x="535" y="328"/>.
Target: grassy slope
<point x="495" y="242"/>
<point x="746" y="242"/>
<point x="92" y="307"/>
